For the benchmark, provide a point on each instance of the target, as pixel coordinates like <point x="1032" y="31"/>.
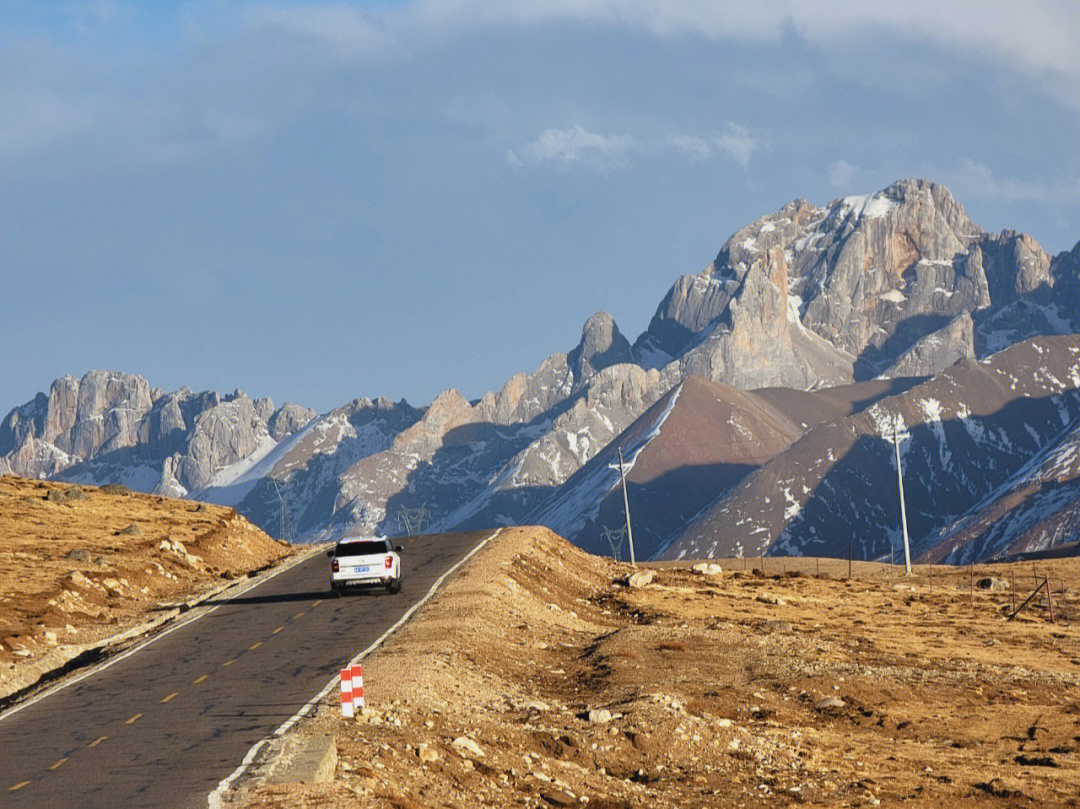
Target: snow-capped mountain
<point x="895" y="284"/>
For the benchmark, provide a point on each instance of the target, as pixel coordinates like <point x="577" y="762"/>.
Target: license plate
<point x="364" y="569"/>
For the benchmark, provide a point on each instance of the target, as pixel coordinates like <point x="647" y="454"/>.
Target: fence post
<point x="1049" y="599"/>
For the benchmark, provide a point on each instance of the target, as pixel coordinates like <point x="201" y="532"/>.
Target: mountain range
<point x="753" y="413"/>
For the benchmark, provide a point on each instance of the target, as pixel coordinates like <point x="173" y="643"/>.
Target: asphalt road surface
<point x="164" y="726"/>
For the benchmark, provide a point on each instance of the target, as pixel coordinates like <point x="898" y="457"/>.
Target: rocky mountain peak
<point x="602" y="345"/>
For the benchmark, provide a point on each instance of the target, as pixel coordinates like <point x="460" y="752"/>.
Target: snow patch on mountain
<point x="568" y="513"/>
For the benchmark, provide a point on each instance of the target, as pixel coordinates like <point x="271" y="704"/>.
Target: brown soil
<point x="715" y="687"/>
<point x="74" y="572"/>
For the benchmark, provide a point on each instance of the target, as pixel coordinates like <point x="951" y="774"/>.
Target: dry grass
<point x="78" y="564"/>
<point x="671" y="646"/>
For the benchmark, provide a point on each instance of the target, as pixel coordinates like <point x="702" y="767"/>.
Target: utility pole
<point x="900" y="488"/>
<point x="626" y="506"/>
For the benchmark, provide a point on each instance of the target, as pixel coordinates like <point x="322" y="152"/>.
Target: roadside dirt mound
<point x="539" y="677"/>
<point x="80" y="564"/>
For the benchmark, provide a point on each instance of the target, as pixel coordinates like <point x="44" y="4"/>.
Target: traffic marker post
<point x="358" y="686"/>
<point x="352" y="690"/>
<point x="347" y="694"/>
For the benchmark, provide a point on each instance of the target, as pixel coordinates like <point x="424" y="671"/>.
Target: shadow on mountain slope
<point x="804" y="503"/>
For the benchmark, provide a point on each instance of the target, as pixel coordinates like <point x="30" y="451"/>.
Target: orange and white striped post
<point x="346" y="693"/>
<point x="358" y="686"/>
<point x="352" y="690"/>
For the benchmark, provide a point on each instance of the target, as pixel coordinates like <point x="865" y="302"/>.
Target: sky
<point x="317" y="202"/>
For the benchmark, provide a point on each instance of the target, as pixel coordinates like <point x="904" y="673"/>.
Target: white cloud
<point x="696" y="149"/>
<point x="576" y="145"/>
<point x="1040" y="37"/>
<point x="349" y="32"/>
<point x="977" y="181"/>
<point x="738" y="143"/>
<point x="842" y="175"/>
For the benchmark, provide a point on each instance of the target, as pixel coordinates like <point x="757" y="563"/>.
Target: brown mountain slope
<point x="971" y="428"/>
<point x="695" y="443"/>
<point x="78" y="565"/>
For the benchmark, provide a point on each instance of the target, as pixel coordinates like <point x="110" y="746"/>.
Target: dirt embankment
<point x="539" y="678"/>
<point x="81" y="564"/>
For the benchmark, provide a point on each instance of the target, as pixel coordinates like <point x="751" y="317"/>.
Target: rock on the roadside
<point x="599" y="716"/>
<point x="467" y="745"/>
<point x="829" y="702"/>
<point x="770" y="598"/>
<point x="426" y="754"/>
<point x="708" y="568"/>
<point x="641" y="578"/>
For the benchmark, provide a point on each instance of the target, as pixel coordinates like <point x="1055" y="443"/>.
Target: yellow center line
<point x="97" y="741"/>
<point x="18" y="786"/>
<point x="56" y="764"/>
<point x="316" y="603"/>
<point x="133" y="719"/>
<point x="277" y="630"/>
<point x="298" y="614"/>
<point x="198" y="680"/>
<point x="228" y="662"/>
<point x="173" y="694"/>
<point x="255" y="646"/>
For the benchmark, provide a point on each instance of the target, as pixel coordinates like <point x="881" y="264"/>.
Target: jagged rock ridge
<point x="895" y="284"/>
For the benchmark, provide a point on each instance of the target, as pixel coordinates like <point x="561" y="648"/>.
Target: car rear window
<point x="347" y="549"/>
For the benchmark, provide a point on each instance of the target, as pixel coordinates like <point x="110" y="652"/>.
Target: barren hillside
<point x="538" y="677"/>
<point x="80" y="564"/>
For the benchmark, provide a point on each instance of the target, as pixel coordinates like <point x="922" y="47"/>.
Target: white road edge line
<point x="139" y="646"/>
<point x="214" y="798"/>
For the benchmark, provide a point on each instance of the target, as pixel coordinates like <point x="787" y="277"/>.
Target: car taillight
<point x="389" y="563"/>
<point x="334" y="566"/>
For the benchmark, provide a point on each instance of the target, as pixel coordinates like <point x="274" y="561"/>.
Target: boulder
<point x="467" y="745"/>
<point x="707" y="569"/>
<point x="641" y="578"/>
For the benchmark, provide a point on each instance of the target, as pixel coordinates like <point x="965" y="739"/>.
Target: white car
<point x="364" y="562"/>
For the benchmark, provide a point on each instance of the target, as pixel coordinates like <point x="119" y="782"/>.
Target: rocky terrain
<point x="539" y="677"/>
<point x="82" y="564"/>
<point x="900" y="284"/>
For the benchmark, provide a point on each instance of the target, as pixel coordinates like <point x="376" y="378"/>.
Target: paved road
<point x="163" y="727"/>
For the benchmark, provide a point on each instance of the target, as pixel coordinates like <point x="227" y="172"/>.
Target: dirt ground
<point x="538" y="677"/>
<point x="81" y="564"/>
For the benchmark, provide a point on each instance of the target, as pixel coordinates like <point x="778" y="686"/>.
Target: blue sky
<point x="322" y="201"/>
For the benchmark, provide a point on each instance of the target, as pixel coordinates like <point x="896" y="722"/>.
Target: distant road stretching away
<point x="161" y="728"/>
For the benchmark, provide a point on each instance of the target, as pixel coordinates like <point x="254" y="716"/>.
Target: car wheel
<point x="335" y="591"/>
<point x="394" y="586"/>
